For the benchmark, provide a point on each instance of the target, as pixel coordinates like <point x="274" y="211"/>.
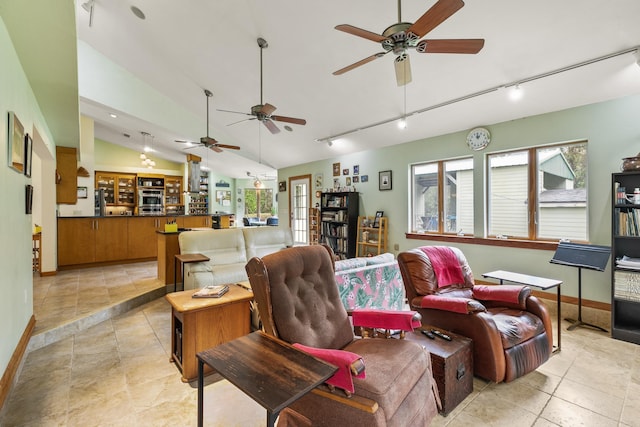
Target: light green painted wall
<point x="611" y="129"/>
<point x="16" y="284"/>
<point x="116" y="158"/>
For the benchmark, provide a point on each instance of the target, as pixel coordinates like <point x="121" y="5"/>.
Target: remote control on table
<point x="441" y="335"/>
<point x="428" y="334"/>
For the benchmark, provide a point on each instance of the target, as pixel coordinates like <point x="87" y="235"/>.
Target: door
<point x="299" y="202"/>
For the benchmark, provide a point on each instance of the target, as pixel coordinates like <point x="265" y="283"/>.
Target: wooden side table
<point x="270" y="371"/>
<point x="200" y="323"/>
<point x="185" y="259"/>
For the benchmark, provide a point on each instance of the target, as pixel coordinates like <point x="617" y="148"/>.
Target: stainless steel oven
<point x="150" y="201"/>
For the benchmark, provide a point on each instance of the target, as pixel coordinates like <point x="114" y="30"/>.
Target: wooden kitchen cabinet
<point x="195" y="221"/>
<point x="119" y="189"/>
<point x="66" y="176"/>
<point x="143" y="242"/>
<point x="91" y="240"/>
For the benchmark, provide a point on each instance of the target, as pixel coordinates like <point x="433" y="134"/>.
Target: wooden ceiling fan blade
<point x="450" y="46"/>
<point x="435" y="16"/>
<point x="289" y="120"/>
<point x="228" y="147"/>
<point x="184" y="141"/>
<point x="215" y="148"/>
<point x="360" y="32"/>
<point x="271" y="126"/>
<point x="240" y="121"/>
<point x="359" y="63"/>
<point x="235" y="112"/>
<point x="403" y="69"/>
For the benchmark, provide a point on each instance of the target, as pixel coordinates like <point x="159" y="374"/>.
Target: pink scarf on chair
<point x="445" y="265"/>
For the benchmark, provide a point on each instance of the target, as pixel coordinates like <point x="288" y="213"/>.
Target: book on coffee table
<point x="213" y="291"/>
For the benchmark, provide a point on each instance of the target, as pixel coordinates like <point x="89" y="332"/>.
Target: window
<point x="539" y="193"/>
<point x="442" y="197"/>
<point x="258" y="202"/>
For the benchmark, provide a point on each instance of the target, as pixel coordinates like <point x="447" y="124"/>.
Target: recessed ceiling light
<point x="136" y="11"/>
<point x="113" y="115"/>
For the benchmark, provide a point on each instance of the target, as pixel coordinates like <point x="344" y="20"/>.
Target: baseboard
<point x="16" y="359"/>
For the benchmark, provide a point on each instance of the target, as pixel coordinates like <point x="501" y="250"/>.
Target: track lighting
<point x="516" y="93"/>
<point x="402" y="123"/>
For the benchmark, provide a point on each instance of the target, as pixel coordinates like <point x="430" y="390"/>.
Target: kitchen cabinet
<point x="173" y="195"/>
<point x="119" y="189"/>
<point x="195" y="221"/>
<point x="143" y="242"/>
<point x="66" y="176"/>
<point x="91" y="240"/>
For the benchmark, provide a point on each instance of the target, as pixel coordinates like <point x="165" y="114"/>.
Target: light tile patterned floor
<point x="117" y="372"/>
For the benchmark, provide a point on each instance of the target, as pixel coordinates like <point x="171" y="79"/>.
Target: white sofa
<point x="228" y="251"/>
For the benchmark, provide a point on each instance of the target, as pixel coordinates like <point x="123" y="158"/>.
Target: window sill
<point x="510" y="243"/>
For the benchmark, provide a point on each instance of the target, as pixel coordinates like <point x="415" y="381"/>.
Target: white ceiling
<point x="183" y="47"/>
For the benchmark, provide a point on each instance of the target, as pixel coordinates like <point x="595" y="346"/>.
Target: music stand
<point x="581" y="256"/>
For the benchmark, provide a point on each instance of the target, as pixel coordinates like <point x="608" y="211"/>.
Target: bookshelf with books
<point x="625" y="254"/>
<point x="314" y="226"/>
<point x="339" y="222"/>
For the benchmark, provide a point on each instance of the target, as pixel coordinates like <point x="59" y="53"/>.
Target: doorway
<point x="299" y="202"/>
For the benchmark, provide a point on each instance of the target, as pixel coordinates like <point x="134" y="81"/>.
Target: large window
<point x="258" y="202"/>
<point x="442" y="197"/>
<point x="539" y="193"/>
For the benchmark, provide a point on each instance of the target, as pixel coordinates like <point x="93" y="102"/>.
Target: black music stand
<point x="581" y="256"/>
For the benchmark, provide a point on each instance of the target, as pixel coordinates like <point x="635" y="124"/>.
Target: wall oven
<point x="150" y="201"/>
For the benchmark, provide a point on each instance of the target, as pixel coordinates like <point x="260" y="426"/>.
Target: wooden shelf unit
<point x="371" y="240"/>
<point x="339" y="222"/>
<point x="625" y="240"/>
<point x="314" y="226"/>
<point x="119" y="189"/>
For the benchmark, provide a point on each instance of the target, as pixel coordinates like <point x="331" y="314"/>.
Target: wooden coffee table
<point x="268" y="370"/>
<point x="201" y="323"/>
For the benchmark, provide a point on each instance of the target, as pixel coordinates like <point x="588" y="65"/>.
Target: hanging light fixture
<point x="146" y="160"/>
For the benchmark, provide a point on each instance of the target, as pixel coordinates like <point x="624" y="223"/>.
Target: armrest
<point x="348" y="364"/>
<point x="386" y="319"/>
<point x="456" y="305"/>
<point x="511" y="294"/>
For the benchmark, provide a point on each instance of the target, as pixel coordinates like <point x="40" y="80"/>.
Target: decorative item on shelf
<point x="83" y="172"/>
<point x="631" y="163"/>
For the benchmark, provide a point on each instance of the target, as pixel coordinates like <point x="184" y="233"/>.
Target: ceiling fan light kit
<point x="401" y="36"/>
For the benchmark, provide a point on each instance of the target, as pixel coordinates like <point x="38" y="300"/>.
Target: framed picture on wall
<point x="319" y="179"/>
<point x="364" y="178"/>
<point x="384" y="180"/>
<point x="28" y="153"/>
<point x="336" y="169"/>
<point x="282" y="186"/>
<point x="15" y="147"/>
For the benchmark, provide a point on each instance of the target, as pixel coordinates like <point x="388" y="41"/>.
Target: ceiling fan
<point x="207" y="141"/>
<point x="400" y="37"/>
<point x="263" y="112"/>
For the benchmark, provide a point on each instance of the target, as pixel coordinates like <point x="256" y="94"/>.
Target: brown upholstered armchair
<point x="299" y="303"/>
<point x="510" y="329"/>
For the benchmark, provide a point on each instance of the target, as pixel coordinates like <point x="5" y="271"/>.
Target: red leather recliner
<point x="510" y="329"/>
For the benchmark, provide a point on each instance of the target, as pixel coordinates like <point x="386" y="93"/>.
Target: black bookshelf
<point x="339" y="222"/>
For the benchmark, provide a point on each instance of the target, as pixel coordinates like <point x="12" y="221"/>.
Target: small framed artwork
<point x="319" y="179"/>
<point x="356" y="170"/>
<point x="348" y="182"/>
<point x="318" y="194"/>
<point x="282" y="186"/>
<point x="336" y="169"/>
<point x="364" y="178"/>
<point x="384" y="180"/>
<point x="28" y="199"/>
<point x="345" y="171"/>
<point x="376" y="220"/>
<point x="336" y="183"/>
<point x="28" y="153"/>
<point x="356" y="179"/>
<point x="82" y="192"/>
<point x="15" y="155"/>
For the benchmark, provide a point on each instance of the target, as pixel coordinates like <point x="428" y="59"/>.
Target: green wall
<point x="611" y="129"/>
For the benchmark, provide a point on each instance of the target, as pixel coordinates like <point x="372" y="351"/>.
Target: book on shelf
<point x="212" y="291"/>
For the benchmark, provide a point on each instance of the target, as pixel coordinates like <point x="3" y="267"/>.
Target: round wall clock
<point x="478" y="138"/>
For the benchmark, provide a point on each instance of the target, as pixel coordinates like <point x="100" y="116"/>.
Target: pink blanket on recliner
<point x="445" y="265"/>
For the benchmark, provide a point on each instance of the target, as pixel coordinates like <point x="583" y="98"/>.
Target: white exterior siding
<point x="464" y="202"/>
<point x="508" y="204"/>
<point x="557" y="222"/>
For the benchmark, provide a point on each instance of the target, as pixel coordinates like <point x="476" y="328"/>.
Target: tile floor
<point x="116" y="371"/>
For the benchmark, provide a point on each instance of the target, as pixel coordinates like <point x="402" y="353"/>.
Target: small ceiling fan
<point x="400" y="37"/>
<point x="207" y="141"/>
<point x="263" y="112"/>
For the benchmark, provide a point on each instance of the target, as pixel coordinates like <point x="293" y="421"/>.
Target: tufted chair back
<point x="309" y="309"/>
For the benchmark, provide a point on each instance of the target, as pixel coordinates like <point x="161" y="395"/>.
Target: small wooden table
<point x="536" y="282"/>
<point x="185" y="259"/>
<point x="200" y="323"/>
<point x="270" y="371"/>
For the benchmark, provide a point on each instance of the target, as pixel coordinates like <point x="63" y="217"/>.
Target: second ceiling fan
<point x="401" y="36"/>
<point x="264" y="112"/>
